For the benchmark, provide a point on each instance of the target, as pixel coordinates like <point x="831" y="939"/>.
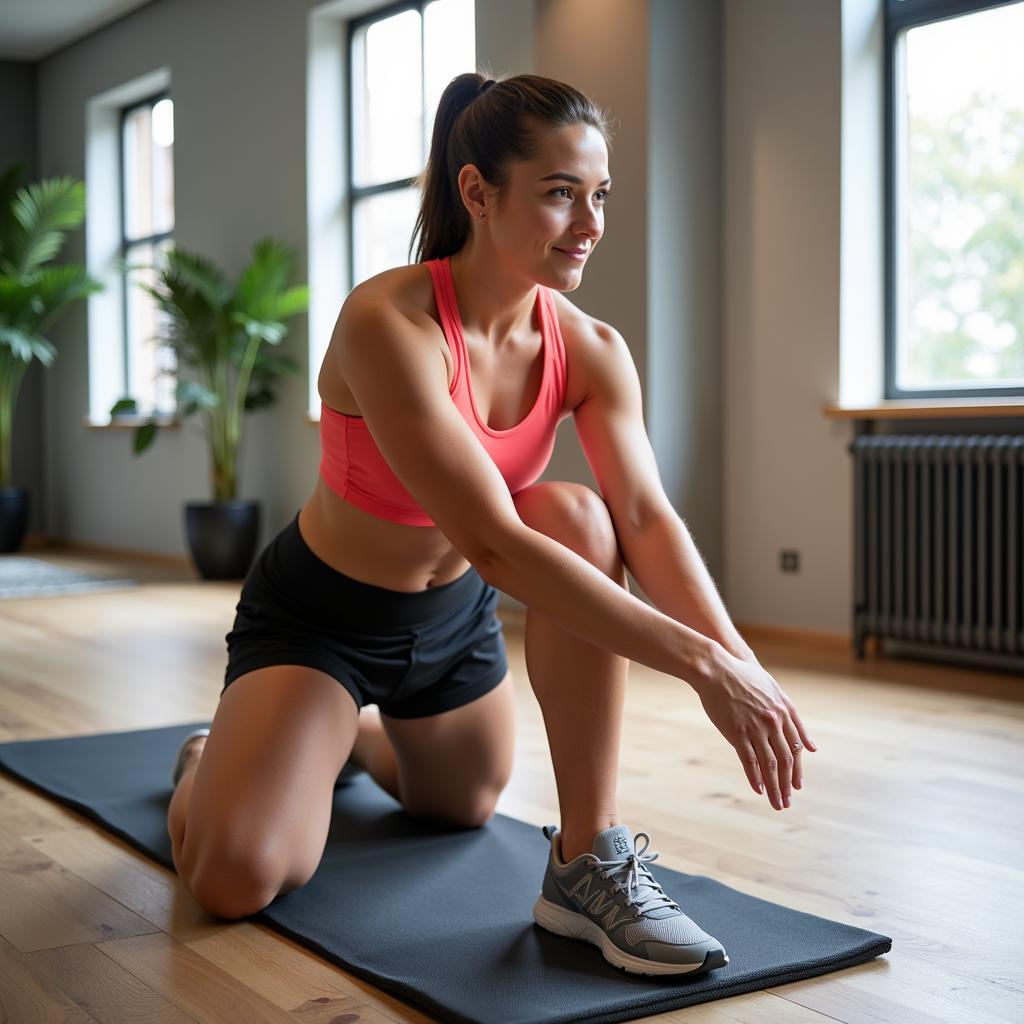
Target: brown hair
<point x="490" y="124"/>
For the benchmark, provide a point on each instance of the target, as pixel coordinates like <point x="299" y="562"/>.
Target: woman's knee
<point x="577" y="517"/>
<point x="236" y="884"/>
<point x="260" y="804"/>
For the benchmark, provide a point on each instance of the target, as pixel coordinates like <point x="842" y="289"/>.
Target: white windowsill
<point x="130" y="422"/>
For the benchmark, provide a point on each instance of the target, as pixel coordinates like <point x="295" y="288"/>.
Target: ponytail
<point x="489" y="123"/>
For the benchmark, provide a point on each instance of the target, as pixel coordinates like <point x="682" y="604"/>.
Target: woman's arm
<point x="579" y="597"/>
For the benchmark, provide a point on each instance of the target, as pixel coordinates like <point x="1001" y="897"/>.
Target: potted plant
<point x="33" y="222"/>
<point x="226" y="335"/>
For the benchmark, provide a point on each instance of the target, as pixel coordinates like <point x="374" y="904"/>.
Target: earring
<point x="482" y="215"/>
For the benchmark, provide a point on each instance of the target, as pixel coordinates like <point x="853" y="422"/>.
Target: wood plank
<point x="45" y="905"/>
<point x="97" y="983"/>
<point x="25" y="997"/>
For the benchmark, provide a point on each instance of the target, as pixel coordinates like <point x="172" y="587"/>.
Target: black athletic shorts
<point x="413" y="654"/>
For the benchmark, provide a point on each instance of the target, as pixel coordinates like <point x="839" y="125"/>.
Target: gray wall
<point x="787" y="474"/>
<point x="683" y="278"/>
<point x="19" y="144"/>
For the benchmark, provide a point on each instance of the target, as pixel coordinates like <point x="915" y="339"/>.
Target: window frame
<point x="357" y="193"/>
<point x="901" y="15"/>
<point x="154" y="239"/>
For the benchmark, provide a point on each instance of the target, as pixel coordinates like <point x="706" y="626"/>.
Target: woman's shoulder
<point x="583" y="337"/>
<point x="409" y="289"/>
<point x="573" y="323"/>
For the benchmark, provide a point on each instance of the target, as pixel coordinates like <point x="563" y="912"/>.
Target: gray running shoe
<point x="179" y="761"/>
<point x="610" y="898"/>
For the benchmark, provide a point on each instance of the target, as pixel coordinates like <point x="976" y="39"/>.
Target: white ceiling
<point x="33" y="29"/>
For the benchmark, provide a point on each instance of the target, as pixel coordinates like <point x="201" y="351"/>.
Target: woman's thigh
<point x="454" y="765"/>
<point x="262" y="794"/>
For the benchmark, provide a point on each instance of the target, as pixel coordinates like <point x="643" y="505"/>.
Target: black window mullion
<point x="900" y="14"/>
<point x="142" y="239"/>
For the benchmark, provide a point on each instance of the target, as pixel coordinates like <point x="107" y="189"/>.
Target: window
<point x="400" y="58"/>
<point x="954" y="198"/>
<point x="147" y="221"/>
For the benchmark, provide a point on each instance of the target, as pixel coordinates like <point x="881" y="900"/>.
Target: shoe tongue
<point x="615" y="843"/>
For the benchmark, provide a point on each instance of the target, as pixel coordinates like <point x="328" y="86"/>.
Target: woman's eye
<point x="564" y="188"/>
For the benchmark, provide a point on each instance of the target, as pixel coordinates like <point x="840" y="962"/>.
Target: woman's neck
<point x="493" y="305"/>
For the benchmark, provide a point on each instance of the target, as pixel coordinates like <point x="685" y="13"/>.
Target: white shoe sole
<point x="574" y="926"/>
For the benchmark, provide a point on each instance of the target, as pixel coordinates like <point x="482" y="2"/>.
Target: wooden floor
<point x="910" y="824"/>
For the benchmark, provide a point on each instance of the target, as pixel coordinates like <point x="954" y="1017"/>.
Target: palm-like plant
<point x="223" y="333"/>
<point x="33" y="223"/>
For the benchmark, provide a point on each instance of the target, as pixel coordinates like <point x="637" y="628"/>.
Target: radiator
<point x="939" y="546"/>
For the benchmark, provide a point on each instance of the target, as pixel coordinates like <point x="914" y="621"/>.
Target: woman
<point x="442" y="388"/>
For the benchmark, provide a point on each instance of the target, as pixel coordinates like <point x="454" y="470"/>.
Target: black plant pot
<point x="222" y="536"/>
<point x="13" y="517"/>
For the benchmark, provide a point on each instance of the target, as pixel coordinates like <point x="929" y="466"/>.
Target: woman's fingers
<point x="785" y="756"/>
<point x="748" y="758"/>
<point x="807" y="741"/>
<point x="795" y="747"/>
<point x="769" y="764"/>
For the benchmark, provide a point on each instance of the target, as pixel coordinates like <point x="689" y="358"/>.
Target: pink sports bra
<point x="353" y="467"/>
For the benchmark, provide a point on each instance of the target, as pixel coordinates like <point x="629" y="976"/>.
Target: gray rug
<point x="21" y="576"/>
<point x="442" y="917"/>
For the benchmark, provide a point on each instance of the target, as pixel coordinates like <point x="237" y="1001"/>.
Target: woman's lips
<point x="579" y="257"/>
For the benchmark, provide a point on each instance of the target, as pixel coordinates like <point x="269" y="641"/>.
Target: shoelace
<point x="636" y="874"/>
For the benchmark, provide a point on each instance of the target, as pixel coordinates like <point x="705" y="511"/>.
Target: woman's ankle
<point x="577" y="840"/>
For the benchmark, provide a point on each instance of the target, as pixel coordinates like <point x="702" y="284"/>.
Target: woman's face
<point x="545" y="212"/>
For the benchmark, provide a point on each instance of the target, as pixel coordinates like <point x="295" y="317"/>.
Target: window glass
<point x="960" y="202"/>
<point x="381" y="226"/>
<point x="148" y="204"/>
<point x="400" y="66"/>
<point x="151" y="365"/>
<point x="389" y="109"/>
<point x="449" y="39"/>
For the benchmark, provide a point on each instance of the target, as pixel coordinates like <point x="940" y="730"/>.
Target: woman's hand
<point x="750" y="710"/>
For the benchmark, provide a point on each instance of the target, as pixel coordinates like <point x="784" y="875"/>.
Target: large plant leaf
<point x="290" y="302"/>
<point x="199" y="274"/>
<point x="263" y="279"/>
<point x="268" y="330"/>
<point x="124" y="406"/>
<point x="192" y="395"/>
<point x="55" y="287"/>
<point x="144" y="437"/>
<point x="18" y="307"/>
<point x="191" y="325"/>
<point x="25" y="345"/>
<point x="44" y="210"/>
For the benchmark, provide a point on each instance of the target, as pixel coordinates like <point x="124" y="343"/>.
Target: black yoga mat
<point x="440" y="916"/>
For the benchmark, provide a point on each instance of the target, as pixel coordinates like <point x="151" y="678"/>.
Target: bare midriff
<point x="394" y="555"/>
